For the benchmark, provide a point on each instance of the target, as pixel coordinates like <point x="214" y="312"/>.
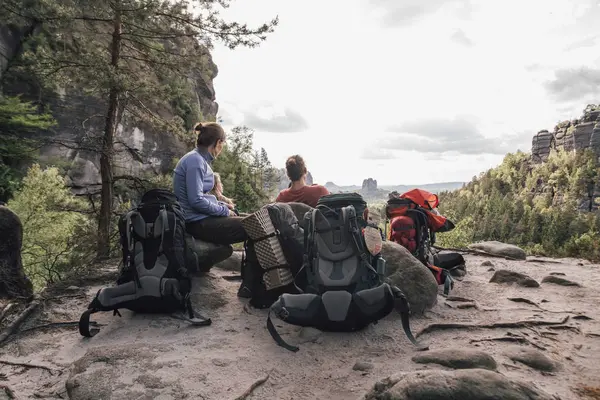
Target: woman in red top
<point x="299" y="191"/>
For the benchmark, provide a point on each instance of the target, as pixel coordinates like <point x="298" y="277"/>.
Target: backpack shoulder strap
<point x="402" y="307"/>
<point x="356" y="237"/>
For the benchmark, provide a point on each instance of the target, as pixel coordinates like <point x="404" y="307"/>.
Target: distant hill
<point x="431" y="187"/>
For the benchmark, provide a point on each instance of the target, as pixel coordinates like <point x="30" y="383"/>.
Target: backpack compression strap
<point x="402" y="307"/>
<point x="277" y="337"/>
<point x="442" y="276"/>
<point x="84" y="323"/>
<point x="355" y="232"/>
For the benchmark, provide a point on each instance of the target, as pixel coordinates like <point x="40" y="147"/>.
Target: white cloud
<point x="348" y="71"/>
<point x="275" y="119"/>
<point x="575" y="83"/>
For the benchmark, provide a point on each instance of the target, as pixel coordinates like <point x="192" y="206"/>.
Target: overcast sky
<point x="408" y="91"/>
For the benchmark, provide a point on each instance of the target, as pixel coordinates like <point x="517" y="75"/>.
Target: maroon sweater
<point x="308" y="195"/>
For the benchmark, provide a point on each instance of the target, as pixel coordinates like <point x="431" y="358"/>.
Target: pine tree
<point x="17" y="119"/>
<point x="125" y="53"/>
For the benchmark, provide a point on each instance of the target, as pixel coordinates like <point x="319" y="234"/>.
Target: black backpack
<point x="344" y="288"/>
<point x="154" y="278"/>
<point x="273" y="254"/>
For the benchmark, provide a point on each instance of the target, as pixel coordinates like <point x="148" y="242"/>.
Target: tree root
<point x="457" y="298"/>
<point x="66" y="324"/>
<point x="565" y="327"/>
<point x="463" y="306"/>
<point x="253" y="387"/>
<point x="517" y="339"/>
<point x="476" y="252"/>
<point x="5" y="310"/>
<point x="26" y="365"/>
<point x="10" y="329"/>
<point x="517" y="324"/>
<point x="524" y="300"/>
<point x="533" y="303"/>
<point x="542" y="261"/>
<point x="64" y="296"/>
<point x="232" y="278"/>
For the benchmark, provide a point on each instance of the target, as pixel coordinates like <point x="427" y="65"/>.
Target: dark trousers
<point x="219" y="230"/>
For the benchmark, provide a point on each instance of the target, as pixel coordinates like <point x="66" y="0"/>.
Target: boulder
<point x="500" y="249"/>
<point x="414" y="279"/>
<point x="13" y="281"/>
<point x="202" y="256"/>
<point x="531" y="357"/>
<point x="506" y="276"/>
<point x="457" y="359"/>
<point x="233" y="263"/>
<point x="557" y="280"/>
<point x="467" y="384"/>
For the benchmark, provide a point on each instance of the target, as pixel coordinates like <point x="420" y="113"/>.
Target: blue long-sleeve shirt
<point x="193" y="178"/>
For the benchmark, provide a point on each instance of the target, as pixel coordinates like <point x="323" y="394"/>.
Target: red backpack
<point x="403" y="230"/>
<point x="413" y="225"/>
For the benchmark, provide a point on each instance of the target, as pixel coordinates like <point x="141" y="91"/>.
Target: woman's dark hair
<point x="209" y="133"/>
<point x="295" y="167"/>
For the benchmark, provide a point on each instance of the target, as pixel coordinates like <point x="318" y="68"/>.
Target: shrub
<point x="53" y="222"/>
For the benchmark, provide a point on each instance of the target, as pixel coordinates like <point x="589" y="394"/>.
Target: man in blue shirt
<point x="206" y="218"/>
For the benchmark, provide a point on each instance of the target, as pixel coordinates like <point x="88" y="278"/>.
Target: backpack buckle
<point x="283" y="313"/>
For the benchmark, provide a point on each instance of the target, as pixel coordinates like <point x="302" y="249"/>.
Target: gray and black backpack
<point x="344" y="282"/>
<point x="154" y="278"/>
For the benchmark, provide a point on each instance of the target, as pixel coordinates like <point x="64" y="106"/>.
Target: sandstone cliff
<point x="574" y="135"/>
<point x="284" y="181"/>
<point x="139" y="147"/>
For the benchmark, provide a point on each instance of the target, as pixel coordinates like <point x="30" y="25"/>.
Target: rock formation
<point x="13" y="282"/>
<point x="139" y="147"/>
<point x="369" y="185"/>
<point x="284" y="181"/>
<point x="578" y="134"/>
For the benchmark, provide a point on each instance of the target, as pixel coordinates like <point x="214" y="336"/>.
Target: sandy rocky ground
<point x="157" y="357"/>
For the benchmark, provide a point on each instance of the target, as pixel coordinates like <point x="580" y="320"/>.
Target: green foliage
<point x="132" y="56"/>
<point x="531" y="205"/>
<point x="248" y="176"/>
<point x="54" y="223"/>
<point x="18" y="121"/>
<point x="144" y="53"/>
<point x="460" y="237"/>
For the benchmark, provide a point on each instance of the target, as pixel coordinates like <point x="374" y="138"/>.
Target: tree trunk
<point x="106" y="156"/>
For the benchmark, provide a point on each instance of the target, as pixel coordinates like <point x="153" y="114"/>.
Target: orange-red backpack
<point x="413" y="224"/>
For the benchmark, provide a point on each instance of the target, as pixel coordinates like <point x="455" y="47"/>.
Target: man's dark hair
<point x="295" y="167"/>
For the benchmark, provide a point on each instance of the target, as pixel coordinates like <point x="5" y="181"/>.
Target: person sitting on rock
<point x="217" y="191"/>
<point x="207" y="218"/>
<point x="299" y="191"/>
